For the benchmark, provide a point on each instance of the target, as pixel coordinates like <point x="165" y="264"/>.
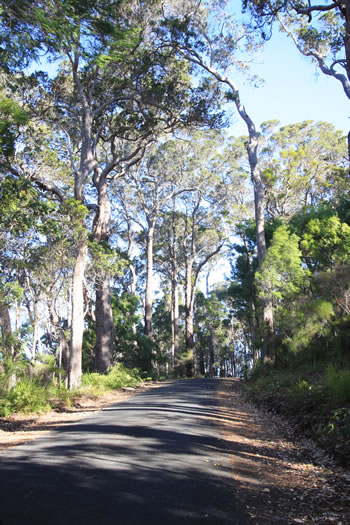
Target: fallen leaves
<point x="280" y="479"/>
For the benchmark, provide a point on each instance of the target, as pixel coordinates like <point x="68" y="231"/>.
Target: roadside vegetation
<point x="42" y="388"/>
<point x="314" y="399"/>
<point x="122" y="192"/>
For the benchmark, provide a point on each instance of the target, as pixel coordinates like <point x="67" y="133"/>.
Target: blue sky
<point x="294" y="90"/>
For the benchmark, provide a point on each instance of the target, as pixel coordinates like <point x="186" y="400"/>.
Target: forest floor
<point x="279" y="479"/>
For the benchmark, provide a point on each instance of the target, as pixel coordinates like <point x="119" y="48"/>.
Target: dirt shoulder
<point x="280" y="480"/>
<point x="17" y="429"/>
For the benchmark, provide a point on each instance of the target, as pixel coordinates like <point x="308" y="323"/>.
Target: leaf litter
<point x="279" y="479"/>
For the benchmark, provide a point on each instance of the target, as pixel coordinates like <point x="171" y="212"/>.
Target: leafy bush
<point x="338" y="383"/>
<point x="25" y="397"/>
<point x="118" y="377"/>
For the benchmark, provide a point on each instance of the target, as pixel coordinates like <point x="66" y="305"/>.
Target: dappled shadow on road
<point x="156" y="459"/>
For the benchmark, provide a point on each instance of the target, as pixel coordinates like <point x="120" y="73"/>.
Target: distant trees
<point x="305" y="173"/>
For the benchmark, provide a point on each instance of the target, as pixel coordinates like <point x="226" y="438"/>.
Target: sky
<point x="293" y="90"/>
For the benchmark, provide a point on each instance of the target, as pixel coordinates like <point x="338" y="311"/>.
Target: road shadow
<point x="155" y="459"/>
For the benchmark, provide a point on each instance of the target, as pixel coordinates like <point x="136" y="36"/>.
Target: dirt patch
<point x="279" y="480"/>
<point x="17" y="429"/>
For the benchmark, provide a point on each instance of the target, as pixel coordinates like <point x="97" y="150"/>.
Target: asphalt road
<point x="156" y="459"/>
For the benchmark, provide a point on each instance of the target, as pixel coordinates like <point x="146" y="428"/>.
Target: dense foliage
<point x="121" y="191"/>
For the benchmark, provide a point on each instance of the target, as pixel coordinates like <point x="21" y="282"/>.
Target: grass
<point x="316" y="399"/>
<point x="34" y="396"/>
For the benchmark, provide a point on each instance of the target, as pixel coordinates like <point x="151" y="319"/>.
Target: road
<point x="156" y="459"/>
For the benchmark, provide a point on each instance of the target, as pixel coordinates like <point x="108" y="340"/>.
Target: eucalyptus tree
<point x="203" y="237"/>
<point x="304" y="164"/>
<point x="218" y="47"/>
<point x="319" y="30"/>
<point x="109" y="87"/>
<point x="242" y="294"/>
<point x="151" y="186"/>
<point x="169" y="261"/>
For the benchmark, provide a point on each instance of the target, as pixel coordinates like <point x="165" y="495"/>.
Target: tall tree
<point x="108" y="87"/>
<point x="213" y="42"/>
<point x="304" y="164"/>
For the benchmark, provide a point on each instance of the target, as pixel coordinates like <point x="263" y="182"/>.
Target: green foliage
<point x="45" y="369"/>
<point x="27" y="397"/>
<point x="12" y="116"/>
<point x="309" y="321"/>
<point x="335" y="434"/>
<point x="104" y="259"/>
<point x="89" y="342"/>
<point x="10" y="370"/>
<point x="316" y="399"/>
<point x="21" y="206"/>
<point x="117" y="377"/>
<point x="326" y="242"/>
<point x="76" y="213"/>
<point x="281" y="274"/>
<point x="338" y="383"/>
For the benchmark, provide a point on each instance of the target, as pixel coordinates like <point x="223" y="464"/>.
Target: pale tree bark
<point x="191" y="278"/>
<point x="174" y="315"/>
<point x="63" y="347"/>
<point x="189" y="305"/>
<point x="172" y="246"/>
<point x="256" y="178"/>
<point x="77" y="322"/>
<point x="211" y="353"/>
<point x="149" y="280"/>
<point x="5" y="322"/>
<point x="320" y="58"/>
<point x="86" y="166"/>
<point x="211" y="337"/>
<point x="103" y="306"/>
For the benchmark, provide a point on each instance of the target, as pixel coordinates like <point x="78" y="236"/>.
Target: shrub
<point x="27" y="397"/>
<point x="338" y="384"/>
<point x="117" y="377"/>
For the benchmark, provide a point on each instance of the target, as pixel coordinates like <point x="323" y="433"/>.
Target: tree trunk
<point x="212" y="371"/>
<point x="5" y="322"/>
<point x="149" y="283"/>
<point x="174" y="313"/>
<point x="104" y="327"/>
<point x="201" y="362"/>
<point x="104" y="347"/>
<point x="75" y="353"/>
<point x="222" y="367"/>
<point x="189" y="332"/>
<point x="261" y="243"/>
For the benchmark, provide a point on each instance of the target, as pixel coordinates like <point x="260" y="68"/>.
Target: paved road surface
<point x="155" y="459"/>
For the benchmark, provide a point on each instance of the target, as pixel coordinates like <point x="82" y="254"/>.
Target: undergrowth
<point x="36" y="394"/>
<point x="316" y="399"/>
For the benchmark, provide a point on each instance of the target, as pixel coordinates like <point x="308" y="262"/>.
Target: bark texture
<point x="149" y="283"/>
<point x="77" y="329"/>
<point x="103" y="307"/>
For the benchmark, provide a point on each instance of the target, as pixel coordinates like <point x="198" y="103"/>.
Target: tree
<point x="319" y="30"/>
<point x="281" y="277"/>
<point x="113" y="85"/>
<point x="303" y="164"/>
<point x="212" y="41"/>
<point x="241" y="294"/>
